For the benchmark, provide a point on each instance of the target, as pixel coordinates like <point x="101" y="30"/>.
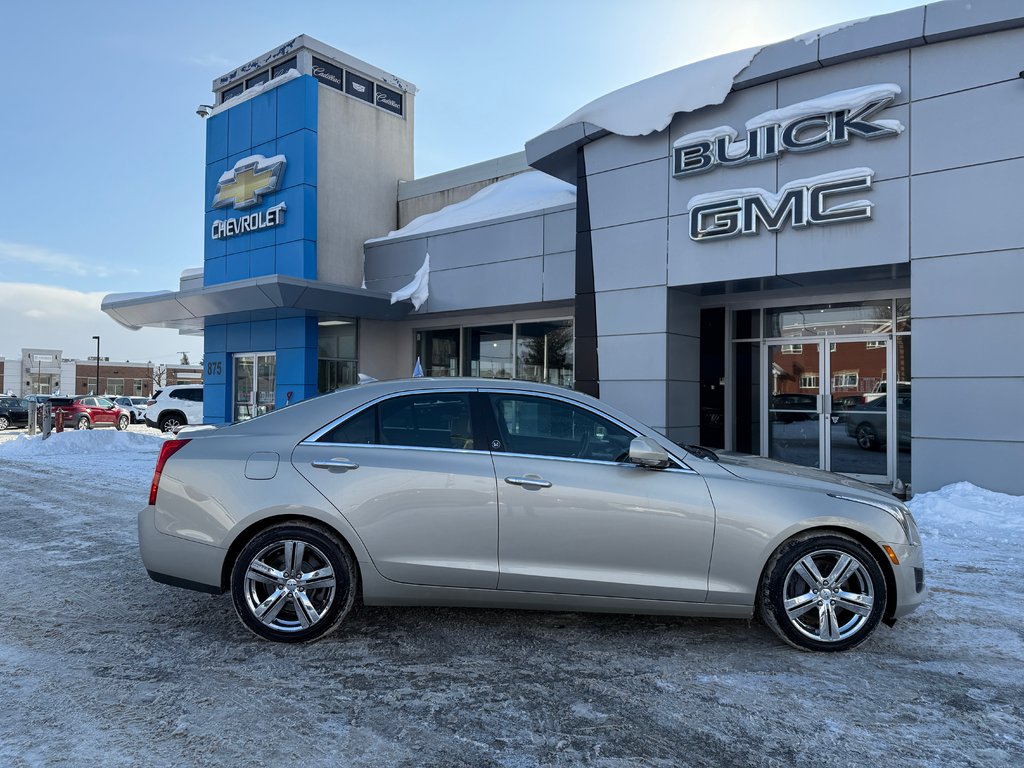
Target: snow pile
<point x="851" y="99"/>
<point x="965" y="511"/>
<point x="522" y="193"/>
<point x="648" y="106"/>
<point x="80" y="442"/>
<point x="418" y="290"/>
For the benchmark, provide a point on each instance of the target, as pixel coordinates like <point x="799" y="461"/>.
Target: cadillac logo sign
<point x="244" y="186"/>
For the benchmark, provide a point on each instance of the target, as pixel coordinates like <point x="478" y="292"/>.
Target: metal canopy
<point x="187" y="310"/>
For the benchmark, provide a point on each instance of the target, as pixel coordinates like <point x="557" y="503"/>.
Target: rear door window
<point x="432" y="420"/>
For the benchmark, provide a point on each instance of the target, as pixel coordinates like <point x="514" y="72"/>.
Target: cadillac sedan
<point x="470" y="492"/>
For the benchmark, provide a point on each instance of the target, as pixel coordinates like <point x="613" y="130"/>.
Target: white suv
<point x="175" y="407"/>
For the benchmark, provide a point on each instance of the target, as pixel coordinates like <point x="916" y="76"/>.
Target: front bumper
<point x="174" y="560"/>
<point x="911" y="589"/>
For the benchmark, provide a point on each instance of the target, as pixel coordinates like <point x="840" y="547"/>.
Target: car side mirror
<point x="644" y="452"/>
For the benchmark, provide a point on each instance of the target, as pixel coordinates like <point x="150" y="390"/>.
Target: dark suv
<point x="13" y="412"/>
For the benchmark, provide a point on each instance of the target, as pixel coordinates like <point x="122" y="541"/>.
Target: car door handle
<point x="528" y="482"/>
<point x="335" y="464"/>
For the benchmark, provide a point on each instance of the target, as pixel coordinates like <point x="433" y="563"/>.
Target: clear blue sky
<point x="102" y="178"/>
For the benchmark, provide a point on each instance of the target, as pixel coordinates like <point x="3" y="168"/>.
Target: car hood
<point x="762" y="470"/>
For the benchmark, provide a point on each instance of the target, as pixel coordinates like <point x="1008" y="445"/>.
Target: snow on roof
<point x="522" y="193"/>
<point x="815" y="35"/>
<point x="648" y="106"/>
<point x="255" y="91"/>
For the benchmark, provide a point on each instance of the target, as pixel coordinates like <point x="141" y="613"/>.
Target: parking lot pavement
<point x="103" y="666"/>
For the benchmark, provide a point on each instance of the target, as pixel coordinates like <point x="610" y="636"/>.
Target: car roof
<point x="310" y="415"/>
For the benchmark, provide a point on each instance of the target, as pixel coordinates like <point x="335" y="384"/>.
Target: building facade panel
<point x="942" y="216"/>
<point x="971" y="62"/>
<point x="987" y="283"/>
<point x="962" y="128"/>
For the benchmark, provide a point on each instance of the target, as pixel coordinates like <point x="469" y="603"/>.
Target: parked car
<point x="867" y="423"/>
<point x="136" y="406"/>
<point x="510" y="494"/>
<point x="88" y="411"/>
<point x="788" y="408"/>
<point x="13" y="412"/>
<point x="171" y="408"/>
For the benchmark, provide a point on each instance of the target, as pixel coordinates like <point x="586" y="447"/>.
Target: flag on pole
<point x="417" y="371"/>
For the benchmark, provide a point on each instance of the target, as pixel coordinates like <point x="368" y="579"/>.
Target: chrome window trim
<point x="392" y="447"/>
<point x="314" y="438"/>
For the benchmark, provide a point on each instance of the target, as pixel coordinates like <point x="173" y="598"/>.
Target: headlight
<point x="899" y="511"/>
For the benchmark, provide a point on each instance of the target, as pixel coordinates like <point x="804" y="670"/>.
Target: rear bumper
<point x="151" y="423"/>
<point x="177" y="561"/>
<point x="911" y="589"/>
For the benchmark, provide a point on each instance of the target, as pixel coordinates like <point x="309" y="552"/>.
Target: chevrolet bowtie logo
<point x="250" y="179"/>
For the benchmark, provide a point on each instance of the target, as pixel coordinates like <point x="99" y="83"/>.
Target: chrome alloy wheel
<point x="828" y="595"/>
<point x="289" y="585"/>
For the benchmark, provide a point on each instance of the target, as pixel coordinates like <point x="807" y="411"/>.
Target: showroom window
<point x="337" y="353"/>
<point x="535" y="350"/>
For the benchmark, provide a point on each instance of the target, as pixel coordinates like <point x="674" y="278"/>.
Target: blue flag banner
<point x="417" y="371"/>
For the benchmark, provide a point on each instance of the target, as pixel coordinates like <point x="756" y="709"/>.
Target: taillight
<point x="150" y="402"/>
<point x="168" y="449"/>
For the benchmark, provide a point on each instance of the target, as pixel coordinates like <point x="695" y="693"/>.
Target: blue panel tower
<point x="256" y="225"/>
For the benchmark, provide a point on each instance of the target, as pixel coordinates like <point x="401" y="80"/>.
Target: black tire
<point x="170" y="421"/>
<point x="83" y="423"/>
<point x="4" y="423"/>
<point x="290" y="623"/>
<point x="863" y="587"/>
<point x="866" y="437"/>
<point x="122" y="422"/>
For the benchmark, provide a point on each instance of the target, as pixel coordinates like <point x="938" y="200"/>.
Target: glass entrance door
<point x="827" y="406"/>
<point x="858" y="418"/>
<point x="795" y="403"/>
<point x="255" y="379"/>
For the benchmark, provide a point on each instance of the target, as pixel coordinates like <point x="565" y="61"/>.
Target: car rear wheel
<point x="293" y="583"/>
<point x="866" y="437"/>
<point x="122" y="422"/>
<point x="171" y="422"/>
<point x="82" y="423"/>
<point x="4" y="422"/>
<point x="823" y="592"/>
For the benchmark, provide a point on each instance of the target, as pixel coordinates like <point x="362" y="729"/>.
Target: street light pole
<point x="97" y="391"/>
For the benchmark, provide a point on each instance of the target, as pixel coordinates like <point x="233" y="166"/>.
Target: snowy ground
<point x="102" y="666"/>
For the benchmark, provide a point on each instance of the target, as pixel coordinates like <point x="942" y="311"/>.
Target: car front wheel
<point x="122" y="423"/>
<point x="823" y="592"/>
<point x="4" y="423"/>
<point x="293" y="583"/>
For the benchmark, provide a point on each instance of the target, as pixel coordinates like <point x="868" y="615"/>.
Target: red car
<point x="88" y="411"/>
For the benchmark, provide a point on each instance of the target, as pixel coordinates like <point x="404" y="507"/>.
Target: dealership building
<point x="810" y="251"/>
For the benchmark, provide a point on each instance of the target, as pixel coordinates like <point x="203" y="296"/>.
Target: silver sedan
<point x="466" y="492"/>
